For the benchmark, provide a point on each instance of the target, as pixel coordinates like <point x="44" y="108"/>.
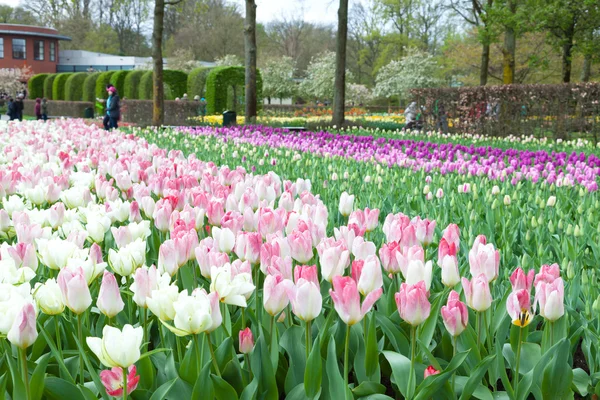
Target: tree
<point x="17" y="15"/>
<point x="416" y="70"/>
<point x="158" y="95"/>
<point x="183" y="60"/>
<point x="339" y="98"/>
<point x="277" y="77"/>
<point x="320" y="77"/>
<point x="358" y="94"/>
<point x="229" y="60"/>
<point x="12" y="80"/>
<point x="250" y="50"/>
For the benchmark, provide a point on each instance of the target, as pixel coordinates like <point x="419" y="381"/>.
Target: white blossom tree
<point x="183" y="60"/>
<point x="357" y="94"/>
<point x="230" y="60"/>
<point x="12" y="80"/>
<point x="320" y="77"/>
<point x="416" y="70"/>
<point x="277" y="76"/>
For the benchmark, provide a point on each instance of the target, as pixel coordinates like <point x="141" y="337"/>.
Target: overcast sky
<point x="322" y="11"/>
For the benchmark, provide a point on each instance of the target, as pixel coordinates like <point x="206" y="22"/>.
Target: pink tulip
<point x="112" y="379"/>
<point x="249" y="199"/>
<point x="286" y="201"/>
<point x="168" y="260"/>
<point x="346" y="300"/>
<point x="233" y="220"/>
<point x="361" y="249"/>
<point x="551" y="297"/>
<point x="23" y="332"/>
<point x="367" y="274"/>
<point x="484" y="259"/>
<point x="548" y="274"/>
<point x="407" y="255"/>
<point x="248" y="245"/>
<point x="24" y="255"/>
<point x="305" y="295"/>
<point x="409" y="237"/>
<point x="246" y="341"/>
<point x="215" y="211"/>
<point x="430" y="371"/>
<point x="334" y="258"/>
<point x="413" y="304"/>
<point x="301" y="246"/>
<point x="281" y="266"/>
<point x="455" y="315"/>
<point x="477" y="293"/>
<point x="452" y="235"/>
<point x="520" y="281"/>
<point x="445" y="249"/>
<point x="109" y="298"/>
<point x="371" y="219"/>
<point x="450" y="273"/>
<point x="518" y="306"/>
<point x="424" y="230"/>
<point x="122" y="236"/>
<point x="388" y="253"/>
<point x="148" y="206"/>
<point x="275" y="295"/>
<point x="270" y="221"/>
<point x="73" y="285"/>
<point x="347" y="234"/>
<point x="56" y="215"/>
<point x="134" y="212"/>
<point x="144" y="282"/>
<point x="162" y="214"/>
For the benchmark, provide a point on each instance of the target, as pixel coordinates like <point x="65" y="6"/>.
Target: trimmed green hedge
<point x="48" y="82"/>
<point x="74" y="86"/>
<point x="89" y="87"/>
<point x="101" y="82"/>
<point x="36" y="86"/>
<point x="177" y="82"/>
<point x="132" y="84"/>
<point x="58" y="86"/>
<point x="218" y="83"/>
<point x="196" y="82"/>
<point x="145" y="89"/>
<point x="118" y="81"/>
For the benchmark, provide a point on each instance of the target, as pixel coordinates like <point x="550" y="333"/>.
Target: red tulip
<point x="112" y="379"/>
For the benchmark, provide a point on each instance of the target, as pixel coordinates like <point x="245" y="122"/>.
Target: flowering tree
<point x="277" y="78"/>
<point x="320" y="77"/>
<point x="358" y="94"/>
<point x="12" y="80"/>
<point x="416" y="70"/>
<point x="183" y="60"/>
<point x="230" y="60"/>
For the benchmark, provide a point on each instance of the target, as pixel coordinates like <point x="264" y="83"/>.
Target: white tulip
<point x="49" y="297"/>
<point x="117" y="348"/>
<point x="231" y="289"/>
<point x="55" y="253"/>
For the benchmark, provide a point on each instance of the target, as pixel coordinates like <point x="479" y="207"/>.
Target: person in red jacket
<point x="38" y="108"/>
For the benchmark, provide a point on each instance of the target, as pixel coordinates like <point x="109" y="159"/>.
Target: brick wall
<point x="74" y="109"/>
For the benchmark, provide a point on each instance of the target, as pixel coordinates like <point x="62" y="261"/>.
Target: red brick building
<point x="24" y="45"/>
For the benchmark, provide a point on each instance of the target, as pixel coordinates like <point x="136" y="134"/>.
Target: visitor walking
<point x="38" y="109"/>
<point x="113" y="109"/>
<point x="45" y="109"/>
<point x="12" y="109"/>
<point x="19" y="106"/>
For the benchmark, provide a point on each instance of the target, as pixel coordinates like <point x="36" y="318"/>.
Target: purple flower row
<point x="557" y="168"/>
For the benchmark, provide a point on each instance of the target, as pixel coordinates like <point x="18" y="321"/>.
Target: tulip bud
<point x="495" y="190"/>
<point x="570" y="271"/>
<point x="246" y="341"/>
<point x="109" y="298"/>
<point x="430" y="371"/>
<point x="550" y="227"/>
<point x="426" y="190"/>
<point x="506" y="200"/>
<point x="495" y="204"/>
<point x="528" y="235"/>
<point x="577" y="232"/>
<point x="49" y="297"/>
<point x="23" y="332"/>
<point x="596" y="305"/>
<point x="533" y="222"/>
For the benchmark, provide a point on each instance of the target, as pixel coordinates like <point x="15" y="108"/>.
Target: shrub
<point x="89" y="87"/>
<point x="58" y="86"/>
<point x="145" y="90"/>
<point x="101" y="82"/>
<point x="36" y="86"/>
<point x="219" y="82"/>
<point x="177" y="82"/>
<point x="118" y="81"/>
<point x="48" y="82"/>
<point x="74" y="86"/>
<point x="132" y="84"/>
<point x="196" y="82"/>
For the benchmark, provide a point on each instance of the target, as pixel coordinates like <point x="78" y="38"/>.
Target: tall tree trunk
<point x="567" y="50"/>
<point x="485" y="62"/>
<point x="250" y="49"/>
<point x="586" y="72"/>
<point x="339" y="97"/>
<point x="508" y="54"/>
<point x="158" y="93"/>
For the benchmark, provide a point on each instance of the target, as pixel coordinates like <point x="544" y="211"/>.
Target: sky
<point x="319" y="11"/>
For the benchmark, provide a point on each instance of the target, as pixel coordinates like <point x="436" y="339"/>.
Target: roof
<point x="36" y="34"/>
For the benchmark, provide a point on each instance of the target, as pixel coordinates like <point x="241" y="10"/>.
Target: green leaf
<point x="147" y="373"/>
<point x="368" y="388"/>
<point x="558" y="377"/>
<point x="18" y="385"/>
<point x="249" y="392"/>
<point x="36" y="384"/>
<point x="56" y="354"/>
<point x="395" y="336"/>
<point x="163" y="390"/>
<point x="91" y="370"/>
<point x="372" y="356"/>
<point x="203" y="388"/>
<point x="476" y="377"/>
<point x="433" y="384"/>
<point x="400" y="370"/>
<point x="3" y="382"/>
<point x="428" y="328"/>
<point x="263" y="369"/>
<point x="377" y="396"/>
<point x="581" y="381"/>
<point x="313" y="374"/>
<point x="298" y="393"/>
<point x="336" y="381"/>
<point x="481" y="392"/>
<point x="223" y="390"/>
<point x="291" y="342"/>
<point x="59" y="389"/>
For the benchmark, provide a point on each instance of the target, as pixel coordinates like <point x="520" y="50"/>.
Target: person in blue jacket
<point x="113" y="109"/>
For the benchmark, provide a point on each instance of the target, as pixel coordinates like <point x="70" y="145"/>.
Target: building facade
<point x="33" y="46"/>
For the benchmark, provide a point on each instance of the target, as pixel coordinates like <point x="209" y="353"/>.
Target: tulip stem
<point x="243" y="318"/>
<point x="308" y="339"/>
<point x="80" y="337"/>
<point x="25" y="372"/>
<point x="125" y="371"/>
<point x="478" y="322"/>
<point x="247" y="360"/>
<point x="346" y="351"/>
<point x="551" y="333"/>
<point x="212" y="355"/>
<point x="198" y="344"/>
<point x="488" y="336"/>
<point x="411" y="374"/>
<point x="516" y="385"/>
<point x="58" y="339"/>
<point x="160" y="333"/>
<point x="271" y="328"/>
<point x="453" y="355"/>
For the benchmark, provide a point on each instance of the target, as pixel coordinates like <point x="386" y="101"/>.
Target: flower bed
<point x="184" y="279"/>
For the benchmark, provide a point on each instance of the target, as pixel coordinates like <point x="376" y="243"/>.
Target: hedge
<point x="145" y="89"/>
<point x="58" y="86"/>
<point x="36" y="86"/>
<point x="101" y="82"/>
<point x="48" y="82"/>
<point x="218" y="83"/>
<point x="177" y="82"/>
<point x="74" y="109"/>
<point x="89" y="87"/>
<point x="515" y="109"/>
<point x="74" y="86"/>
<point x="196" y="82"/>
<point x="132" y="84"/>
<point x="118" y="81"/>
<point x="139" y="112"/>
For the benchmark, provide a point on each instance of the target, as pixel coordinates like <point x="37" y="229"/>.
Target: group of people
<point x="16" y="106"/>
<point x="415" y="116"/>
